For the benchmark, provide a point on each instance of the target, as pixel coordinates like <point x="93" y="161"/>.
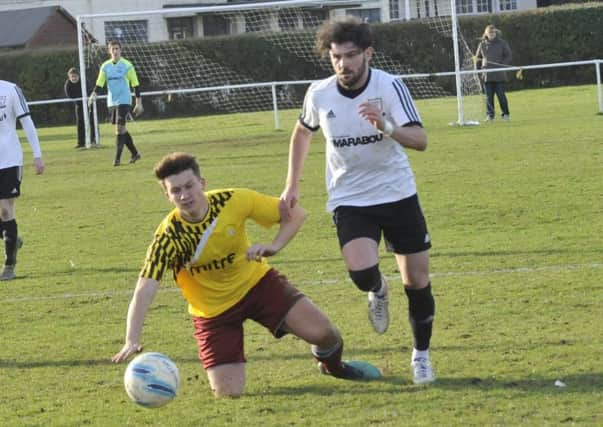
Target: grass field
<point x="515" y="211"/>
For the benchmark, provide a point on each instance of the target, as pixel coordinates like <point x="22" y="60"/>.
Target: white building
<point x="192" y="24"/>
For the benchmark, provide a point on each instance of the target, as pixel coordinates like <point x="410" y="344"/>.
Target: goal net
<point x="186" y="67"/>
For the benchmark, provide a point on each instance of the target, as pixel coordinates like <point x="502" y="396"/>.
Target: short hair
<point x="114" y="43"/>
<point x="174" y="163"/>
<point x="350" y="29"/>
<point x="73" y="70"/>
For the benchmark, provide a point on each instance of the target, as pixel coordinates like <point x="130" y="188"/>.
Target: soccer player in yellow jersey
<point x="225" y="278"/>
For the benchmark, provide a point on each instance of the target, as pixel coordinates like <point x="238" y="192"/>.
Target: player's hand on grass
<point x="126" y="351"/>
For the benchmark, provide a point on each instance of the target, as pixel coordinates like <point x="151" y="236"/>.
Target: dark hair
<point x="349" y="30"/>
<point x="174" y="163"/>
<point x="114" y="43"/>
<point x="73" y="70"/>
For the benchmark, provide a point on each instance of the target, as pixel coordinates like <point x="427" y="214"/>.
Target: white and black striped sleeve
<point x="20" y="104"/>
<point x="309" y="116"/>
<point x="403" y="109"/>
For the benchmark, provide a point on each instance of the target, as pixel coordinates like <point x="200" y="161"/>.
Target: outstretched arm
<point x="298" y="151"/>
<point x="139" y="305"/>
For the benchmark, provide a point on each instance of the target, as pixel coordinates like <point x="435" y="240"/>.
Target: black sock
<point x="421" y="310"/>
<point x="10" y="241"/>
<point x="130" y="144"/>
<point x="119" y="147"/>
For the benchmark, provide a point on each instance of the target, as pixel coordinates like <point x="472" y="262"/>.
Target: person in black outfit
<point x="73" y="89"/>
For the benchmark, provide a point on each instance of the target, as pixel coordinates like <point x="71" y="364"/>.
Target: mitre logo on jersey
<point x="215" y="264"/>
<point x="330" y="114"/>
<point x="357" y="140"/>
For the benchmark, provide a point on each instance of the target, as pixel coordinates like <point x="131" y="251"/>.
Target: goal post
<point x="178" y="77"/>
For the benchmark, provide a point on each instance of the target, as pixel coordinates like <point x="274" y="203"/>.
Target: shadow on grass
<point x="573" y="383"/>
<point x="583" y="383"/>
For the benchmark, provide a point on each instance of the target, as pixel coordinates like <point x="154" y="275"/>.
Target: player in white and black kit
<point x="368" y="118"/>
<point x="13" y="106"/>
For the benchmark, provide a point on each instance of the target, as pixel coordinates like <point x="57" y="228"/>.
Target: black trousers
<point x="497" y="88"/>
<point x="81" y="125"/>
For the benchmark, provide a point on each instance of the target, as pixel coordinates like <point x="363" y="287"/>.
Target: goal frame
<point x="81" y="31"/>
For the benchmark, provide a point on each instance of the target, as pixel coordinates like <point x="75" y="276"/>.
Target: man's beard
<point x="355" y="78"/>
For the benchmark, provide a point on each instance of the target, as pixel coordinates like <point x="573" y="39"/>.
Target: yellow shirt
<point x="208" y="258"/>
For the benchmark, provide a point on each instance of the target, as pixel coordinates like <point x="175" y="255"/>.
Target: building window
<point x="215" y="25"/>
<point x="366" y="15"/>
<point x="127" y="31"/>
<point x="180" y="28"/>
<point x="394" y="9"/>
<point x="464" y="6"/>
<point x="508" y="4"/>
<point x="484" y="6"/>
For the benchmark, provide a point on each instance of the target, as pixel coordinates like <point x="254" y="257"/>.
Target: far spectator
<point x="73" y="89"/>
<point x="494" y="52"/>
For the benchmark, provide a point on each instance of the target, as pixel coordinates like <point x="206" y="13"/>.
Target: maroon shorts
<point x="220" y="338"/>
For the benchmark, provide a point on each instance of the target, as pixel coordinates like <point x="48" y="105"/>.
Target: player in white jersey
<point x="368" y="119"/>
<point x="13" y="106"/>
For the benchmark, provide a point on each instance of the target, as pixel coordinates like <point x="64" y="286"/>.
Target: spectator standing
<point x="73" y="89"/>
<point x="494" y="52"/>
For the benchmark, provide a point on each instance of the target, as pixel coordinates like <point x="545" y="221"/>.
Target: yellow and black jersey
<point x="208" y="258"/>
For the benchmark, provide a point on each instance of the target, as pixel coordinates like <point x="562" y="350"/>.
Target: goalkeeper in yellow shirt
<point x="225" y="278"/>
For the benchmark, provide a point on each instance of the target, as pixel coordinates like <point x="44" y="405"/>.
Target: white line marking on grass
<point x="562" y="268"/>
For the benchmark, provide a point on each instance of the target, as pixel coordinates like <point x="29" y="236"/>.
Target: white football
<point x="151" y="380"/>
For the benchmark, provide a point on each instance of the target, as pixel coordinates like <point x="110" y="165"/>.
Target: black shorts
<point x="119" y="113"/>
<point x="402" y="224"/>
<point x="10" y="182"/>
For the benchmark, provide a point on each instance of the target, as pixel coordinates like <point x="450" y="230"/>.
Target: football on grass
<point x="151" y="380"/>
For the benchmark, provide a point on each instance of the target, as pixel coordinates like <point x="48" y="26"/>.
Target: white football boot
<point x="422" y="371"/>
<point x="378" y="308"/>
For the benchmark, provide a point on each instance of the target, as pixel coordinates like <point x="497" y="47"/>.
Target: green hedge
<point x="41" y="74"/>
<point x="547" y="35"/>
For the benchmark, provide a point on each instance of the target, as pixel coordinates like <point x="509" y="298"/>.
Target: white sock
<point x="419" y="354"/>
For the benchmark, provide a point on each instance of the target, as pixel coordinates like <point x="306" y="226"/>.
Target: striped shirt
<point x="13" y="106"/>
<point x="208" y="258"/>
<point x="364" y="167"/>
